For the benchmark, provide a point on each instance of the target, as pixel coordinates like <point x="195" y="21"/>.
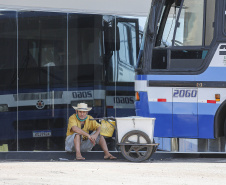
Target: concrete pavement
<point x="195" y="171"/>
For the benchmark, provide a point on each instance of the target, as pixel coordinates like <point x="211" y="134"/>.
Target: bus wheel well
<point x="220" y="121"/>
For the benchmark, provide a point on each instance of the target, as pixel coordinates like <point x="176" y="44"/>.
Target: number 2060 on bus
<point x="185" y="93"/>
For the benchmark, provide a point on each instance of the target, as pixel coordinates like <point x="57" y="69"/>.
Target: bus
<point x="181" y="73"/>
<point x="51" y="61"/>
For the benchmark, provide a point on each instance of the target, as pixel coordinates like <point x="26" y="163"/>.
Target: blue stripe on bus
<point x="171" y="125"/>
<point x="164" y="127"/>
<point x="185" y="108"/>
<point x="208" y="75"/>
<point x="160" y="107"/>
<point x="166" y="107"/>
<point x="207" y="108"/>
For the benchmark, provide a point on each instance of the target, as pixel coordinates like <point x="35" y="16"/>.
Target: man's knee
<point x="101" y="138"/>
<point x="77" y="137"/>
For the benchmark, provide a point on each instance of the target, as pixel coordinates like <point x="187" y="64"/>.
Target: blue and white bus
<point x="181" y="72"/>
<point x="51" y="59"/>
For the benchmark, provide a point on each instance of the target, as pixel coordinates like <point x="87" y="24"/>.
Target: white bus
<point x="181" y="75"/>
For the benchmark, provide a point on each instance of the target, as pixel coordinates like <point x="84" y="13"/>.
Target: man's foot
<point x="80" y="158"/>
<point x="110" y="157"/>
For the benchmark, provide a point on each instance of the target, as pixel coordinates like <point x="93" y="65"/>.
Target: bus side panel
<point x="142" y="105"/>
<point x="185" y="119"/>
<point x="206" y="119"/>
<point x="161" y="107"/>
<point x="162" y="111"/>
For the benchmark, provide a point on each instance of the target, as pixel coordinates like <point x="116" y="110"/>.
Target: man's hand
<point x="92" y="139"/>
<point x="94" y="136"/>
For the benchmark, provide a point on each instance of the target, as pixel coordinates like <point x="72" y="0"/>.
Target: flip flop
<point x="80" y="158"/>
<point x="111" y="157"/>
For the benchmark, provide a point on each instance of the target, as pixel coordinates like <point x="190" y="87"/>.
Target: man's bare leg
<point x="77" y="142"/>
<point x="104" y="147"/>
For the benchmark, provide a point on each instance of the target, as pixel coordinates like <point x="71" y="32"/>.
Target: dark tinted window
<point x="85" y="49"/>
<point x="8" y="50"/>
<point x="42" y="48"/>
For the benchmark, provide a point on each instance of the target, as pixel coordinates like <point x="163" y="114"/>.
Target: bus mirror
<point x="117" y="40"/>
<point x="111" y="43"/>
<point x="178" y="2"/>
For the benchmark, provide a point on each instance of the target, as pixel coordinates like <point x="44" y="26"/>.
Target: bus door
<point x="185" y="112"/>
<point x="121" y="68"/>
<point x="128" y="44"/>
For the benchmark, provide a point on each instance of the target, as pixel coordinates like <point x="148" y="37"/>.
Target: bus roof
<point x="107" y="7"/>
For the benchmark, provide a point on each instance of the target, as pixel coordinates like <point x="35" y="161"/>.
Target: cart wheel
<point x="133" y="152"/>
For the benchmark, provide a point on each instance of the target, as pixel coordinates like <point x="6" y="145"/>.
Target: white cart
<point x="135" y="137"/>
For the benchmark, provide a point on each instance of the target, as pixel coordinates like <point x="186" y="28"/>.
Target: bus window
<point x="8" y="77"/>
<point x="42" y="41"/>
<point x="85" y="49"/>
<point x="210" y="8"/>
<point x="8" y="43"/>
<point x="165" y="31"/>
<point x="133" y="43"/>
<point x="124" y="70"/>
<point x="127" y="52"/>
<point x="180" y="27"/>
<point x="190" y="26"/>
<point x="123" y="52"/>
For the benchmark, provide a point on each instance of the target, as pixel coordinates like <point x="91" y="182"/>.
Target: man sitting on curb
<point x="78" y="138"/>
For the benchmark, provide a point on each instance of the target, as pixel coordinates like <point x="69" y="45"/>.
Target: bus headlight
<point x="3" y="108"/>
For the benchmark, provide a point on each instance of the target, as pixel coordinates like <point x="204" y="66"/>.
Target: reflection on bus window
<point x="210" y="8"/>
<point x="167" y="24"/>
<point x="169" y="28"/>
<point x="190" y="27"/>
<point x="127" y="53"/>
<point x="84" y="39"/>
<point x="8" y="42"/>
<point x="42" y="42"/>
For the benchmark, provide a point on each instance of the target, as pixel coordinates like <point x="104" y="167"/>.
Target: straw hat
<point x="82" y="107"/>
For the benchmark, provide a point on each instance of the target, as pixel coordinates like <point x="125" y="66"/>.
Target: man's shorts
<point x="85" y="146"/>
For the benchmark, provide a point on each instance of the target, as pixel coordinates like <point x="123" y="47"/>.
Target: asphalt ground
<point x="168" y="171"/>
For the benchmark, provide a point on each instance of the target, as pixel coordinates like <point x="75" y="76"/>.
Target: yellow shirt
<point x="90" y="125"/>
